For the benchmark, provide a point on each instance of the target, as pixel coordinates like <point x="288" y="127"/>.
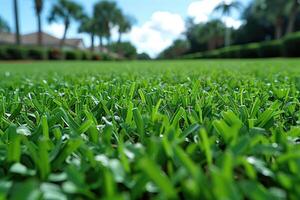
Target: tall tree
<point x="293" y="7"/>
<point x="193" y="31"/>
<point x="124" y="23"/>
<point x="205" y="36"/>
<point x="17" y="26"/>
<point x="177" y="49"/>
<point x="214" y="34"/>
<point x="273" y="11"/>
<point x="123" y="49"/>
<point x="65" y="11"/>
<point x="4" y="27"/>
<point x="253" y="23"/>
<point x="88" y="26"/>
<point x="226" y="8"/>
<point x="38" y="5"/>
<point x="105" y="13"/>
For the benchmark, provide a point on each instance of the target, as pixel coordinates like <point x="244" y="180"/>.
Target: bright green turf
<point x="150" y="130"/>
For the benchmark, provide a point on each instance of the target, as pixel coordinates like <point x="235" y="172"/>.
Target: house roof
<point x="48" y="40"/>
<point x="74" y="41"/>
<point x="31" y="38"/>
<point x="7" y="37"/>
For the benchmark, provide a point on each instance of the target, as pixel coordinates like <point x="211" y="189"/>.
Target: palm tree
<point x="124" y="24"/>
<point x="66" y="11"/>
<point x="105" y="13"/>
<point x="4" y="27"/>
<point x="16" y="12"/>
<point x="292" y="11"/>
<point x="226" y="7"/>
<point x="274" y="12"/>
<point x="38" y="10"/>
<point x="88" y="25"/>
<point x="214" y="34"/>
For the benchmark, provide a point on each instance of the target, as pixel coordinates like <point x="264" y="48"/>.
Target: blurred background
<point x="141" y="29"/>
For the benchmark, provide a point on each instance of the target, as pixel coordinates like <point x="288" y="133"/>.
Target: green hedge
<point x="105" y="57"/>
<point x="211" y="54"/>
<point x="73" y="55"/>
<point x="291" y="45"/>
<point x="86" y="55"/>
<point x="271" y="49"/>
<point x="96" y="57"/>
<point x="36" y="53"/>
<point x="40" y="53"/>
<point x="16" y="53"/>
<point x="230" y="52"/>
<point x="3" y="53"/>
<point x="56" y="54"/>
<point x="193" y="56"/>
<point x="287" y="46"/>
<point x="249" y="51"/>
<point x="237" y="51"/>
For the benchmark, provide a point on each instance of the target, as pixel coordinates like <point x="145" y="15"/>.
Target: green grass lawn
<point x="223" y="129"/>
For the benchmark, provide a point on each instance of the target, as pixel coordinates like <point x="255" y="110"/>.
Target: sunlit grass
<point x="226" y="129"/>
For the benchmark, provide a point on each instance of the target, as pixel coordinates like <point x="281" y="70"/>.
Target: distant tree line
<point x="263" y="20"/>
<point x="105" y="17"/>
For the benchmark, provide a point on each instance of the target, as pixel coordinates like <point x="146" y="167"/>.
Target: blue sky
<point x="159" y="22"/>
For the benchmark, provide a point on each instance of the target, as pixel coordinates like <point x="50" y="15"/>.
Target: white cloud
<point x="202" y="11"/>
<point x="157" y="33"/>
<point x="55" y="29"/>
<point x="230" y="22"/>
<point x="167" y="22"/>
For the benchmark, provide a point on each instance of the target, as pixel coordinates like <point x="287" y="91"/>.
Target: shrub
<point x="124" y="49"/>
<point x="55" y="54"/>
<point x="3" y="53"/>
<point x="143" y="56"/>
<point x="270" y="49"/>
<point x="223" y="53"/>
<point x="16" y="53"/>
<point x="73" y="55"/>
<point x="106" y="56"/>
<point x="198" y="55"/>
<point x="291" y="45"/>
<point x="86" y="55"/>
<point x="212" y="54"/>
<point x="37" y="53"/>
<point x="96" y="56"/>
<point x="249" y="51"/>
<point x="230" y="52"/>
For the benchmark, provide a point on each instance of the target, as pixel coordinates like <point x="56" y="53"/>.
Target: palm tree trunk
<point x="278" y="28"/>
<point x="292" y="17"/>
<point x="92" y="42"/>
<point x="40" y="33"/>
<point x="38" y="11"/>
<point x="120" y="37"/>
<point x="16" y="11"/>
<point x="62" y="42"/>
<point x="101" y="42"/>
<point x="227" y="36"/>
<point x="278" y="32"/>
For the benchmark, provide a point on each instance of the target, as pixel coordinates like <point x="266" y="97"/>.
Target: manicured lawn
<point x="223" y="129"/>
